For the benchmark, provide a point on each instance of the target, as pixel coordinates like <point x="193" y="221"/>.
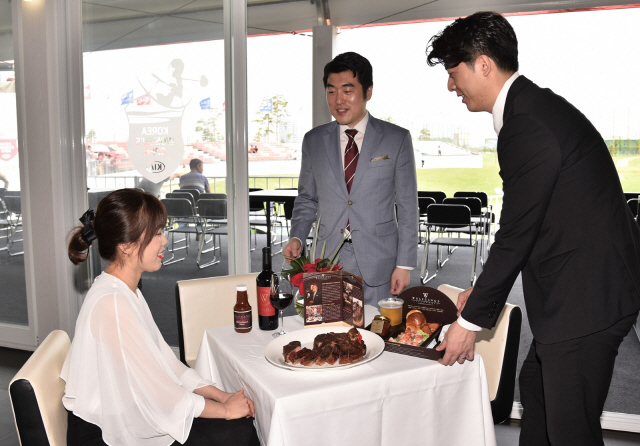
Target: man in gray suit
<point x="358" y="176"/>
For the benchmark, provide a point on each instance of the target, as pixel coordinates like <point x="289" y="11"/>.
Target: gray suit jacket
<point x="385" y="176"/>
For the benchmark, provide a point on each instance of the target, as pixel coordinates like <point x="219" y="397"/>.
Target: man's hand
<point x="399" y="280"/>
<point x="293" y="248"/>
<point x="462" y="299"/>
<point x="459" y="343"/>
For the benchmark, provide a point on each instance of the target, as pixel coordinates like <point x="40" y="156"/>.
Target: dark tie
<point x="351" y="156"/>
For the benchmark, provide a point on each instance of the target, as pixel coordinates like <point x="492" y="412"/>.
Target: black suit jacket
<point x="564" y="224"/>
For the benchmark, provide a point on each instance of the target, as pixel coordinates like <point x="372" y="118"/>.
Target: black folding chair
<point x="634" y="205"/>
<point x="631" y="195"/>
<point x="212" y="196"/>
<point x="437" y="195"/>
<point x="477" y="217"/>
<point x="13" y="209"/>
<point x="213" y="215"/>
<point x="423" y="204"/>
<point x="185" y="195"/>
<point x="441" y="217"/>
<point x="5" y="225"/>
<point x="181" y="214"/>
<point x="489" y="218"/>
<point x="195" y="192"/>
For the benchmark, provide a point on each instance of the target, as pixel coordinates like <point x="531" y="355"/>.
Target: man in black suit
<point x="564" y="225"/>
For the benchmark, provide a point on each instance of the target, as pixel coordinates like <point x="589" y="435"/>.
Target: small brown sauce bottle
<point x="242" y="317"/>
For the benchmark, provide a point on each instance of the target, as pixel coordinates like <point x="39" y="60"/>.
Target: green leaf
<point x="315" y="239"/>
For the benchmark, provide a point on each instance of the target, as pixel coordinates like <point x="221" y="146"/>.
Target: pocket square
<point x="380" y="158"/>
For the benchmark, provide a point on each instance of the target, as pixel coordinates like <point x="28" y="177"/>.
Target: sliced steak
<point x="310" y="357"/>
<point x="291" y="347"/>
<point x="299" y="356"/>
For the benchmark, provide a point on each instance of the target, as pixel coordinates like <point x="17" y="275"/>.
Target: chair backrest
<point x="481" y="195"/>
<point x="423" y="204"/>
<point x="437" y="195"/>
<point x="634" y="205"/>
<point x="36" y="394"/>
<point x="449" y="215"/>
<point x="499" y="350"/>
<point x="194" y="192"/>
<point x="212" y="196"/>
<point x="178" y="207"/>
<point x="206" y="303"/>
<point x="13" y="204"/>
<point x="182" y="194"/>
<point x="288" y="208"/>
<point x="474" y="204"/>
<point x="212" y="208"/>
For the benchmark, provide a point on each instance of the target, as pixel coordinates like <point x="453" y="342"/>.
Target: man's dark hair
<point x="468" y="38"/>
<point x="194" y="163"/>
<point x="354" y="62"/>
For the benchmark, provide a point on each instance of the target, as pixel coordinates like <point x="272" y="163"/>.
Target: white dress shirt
<point x="122" y="376"/>
<point x="498" y="121"/>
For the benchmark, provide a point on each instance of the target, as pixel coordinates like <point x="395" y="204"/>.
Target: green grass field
<point x="452" y="180"/>
<point x="486" y="179"/>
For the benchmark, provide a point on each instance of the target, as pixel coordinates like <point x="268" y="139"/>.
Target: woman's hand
<point x="237" y="405"/>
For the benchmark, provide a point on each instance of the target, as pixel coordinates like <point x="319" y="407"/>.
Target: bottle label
<point x="242" y="319"/>
<point x="264" y="304"/>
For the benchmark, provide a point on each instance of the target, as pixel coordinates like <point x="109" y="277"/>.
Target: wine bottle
<point x="267" y="319"/>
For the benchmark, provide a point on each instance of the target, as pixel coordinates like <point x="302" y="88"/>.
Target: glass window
<point x="13" y="296"/>
<point x="279" y="73"/>
<point x="154" y="101"/>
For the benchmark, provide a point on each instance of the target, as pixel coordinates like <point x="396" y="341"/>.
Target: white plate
<point x="273" y="352"/>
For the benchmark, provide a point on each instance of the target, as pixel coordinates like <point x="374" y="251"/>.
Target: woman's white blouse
<point x="121" y="375"/>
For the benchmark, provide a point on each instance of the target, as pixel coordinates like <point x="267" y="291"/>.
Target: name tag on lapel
<point x="380" y="158"/>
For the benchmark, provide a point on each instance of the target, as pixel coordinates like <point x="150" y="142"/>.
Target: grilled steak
<point x="291" y="347"/>
<point x="299" y="356"/>
<point x="345" y="348"/>
<point x="310" y="358"/>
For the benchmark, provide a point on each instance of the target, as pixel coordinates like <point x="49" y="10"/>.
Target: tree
<point x="91" y="136"/>
<point x="271" y="112"/>
<point x="612" y="147"/>
<point x="389" y="119"/>
<point x="425" y="135"/>
<point x="209" y="127"/>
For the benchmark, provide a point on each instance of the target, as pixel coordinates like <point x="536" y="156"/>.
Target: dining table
<point x="269" y="196"/>
<point x="392" y="399"/>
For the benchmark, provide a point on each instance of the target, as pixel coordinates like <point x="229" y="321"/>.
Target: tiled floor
<point x="11" y="360"/>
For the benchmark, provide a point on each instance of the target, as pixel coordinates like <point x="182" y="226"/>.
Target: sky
<point x="587" y="57"/>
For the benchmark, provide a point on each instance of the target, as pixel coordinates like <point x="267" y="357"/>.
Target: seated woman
<point x="124" y="385"/>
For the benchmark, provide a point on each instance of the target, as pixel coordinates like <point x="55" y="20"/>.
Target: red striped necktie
<point x="351" y="156"/>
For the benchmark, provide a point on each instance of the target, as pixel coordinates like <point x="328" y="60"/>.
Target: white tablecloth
<point x="393" y="400"/>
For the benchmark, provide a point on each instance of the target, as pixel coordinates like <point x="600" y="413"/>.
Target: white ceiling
<point x="112" y="24"/>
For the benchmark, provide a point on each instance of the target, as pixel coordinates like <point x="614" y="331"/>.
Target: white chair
<point x="499" y="350"/>
<point x="206" y="303"/>
<point x="36" y="394"/>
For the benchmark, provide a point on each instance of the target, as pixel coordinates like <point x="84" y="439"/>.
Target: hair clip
<point x="88" y="234"/>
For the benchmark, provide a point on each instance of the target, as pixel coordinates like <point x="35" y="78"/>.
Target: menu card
<point x="333" y="298"/>
<point x="436" y="308"/>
